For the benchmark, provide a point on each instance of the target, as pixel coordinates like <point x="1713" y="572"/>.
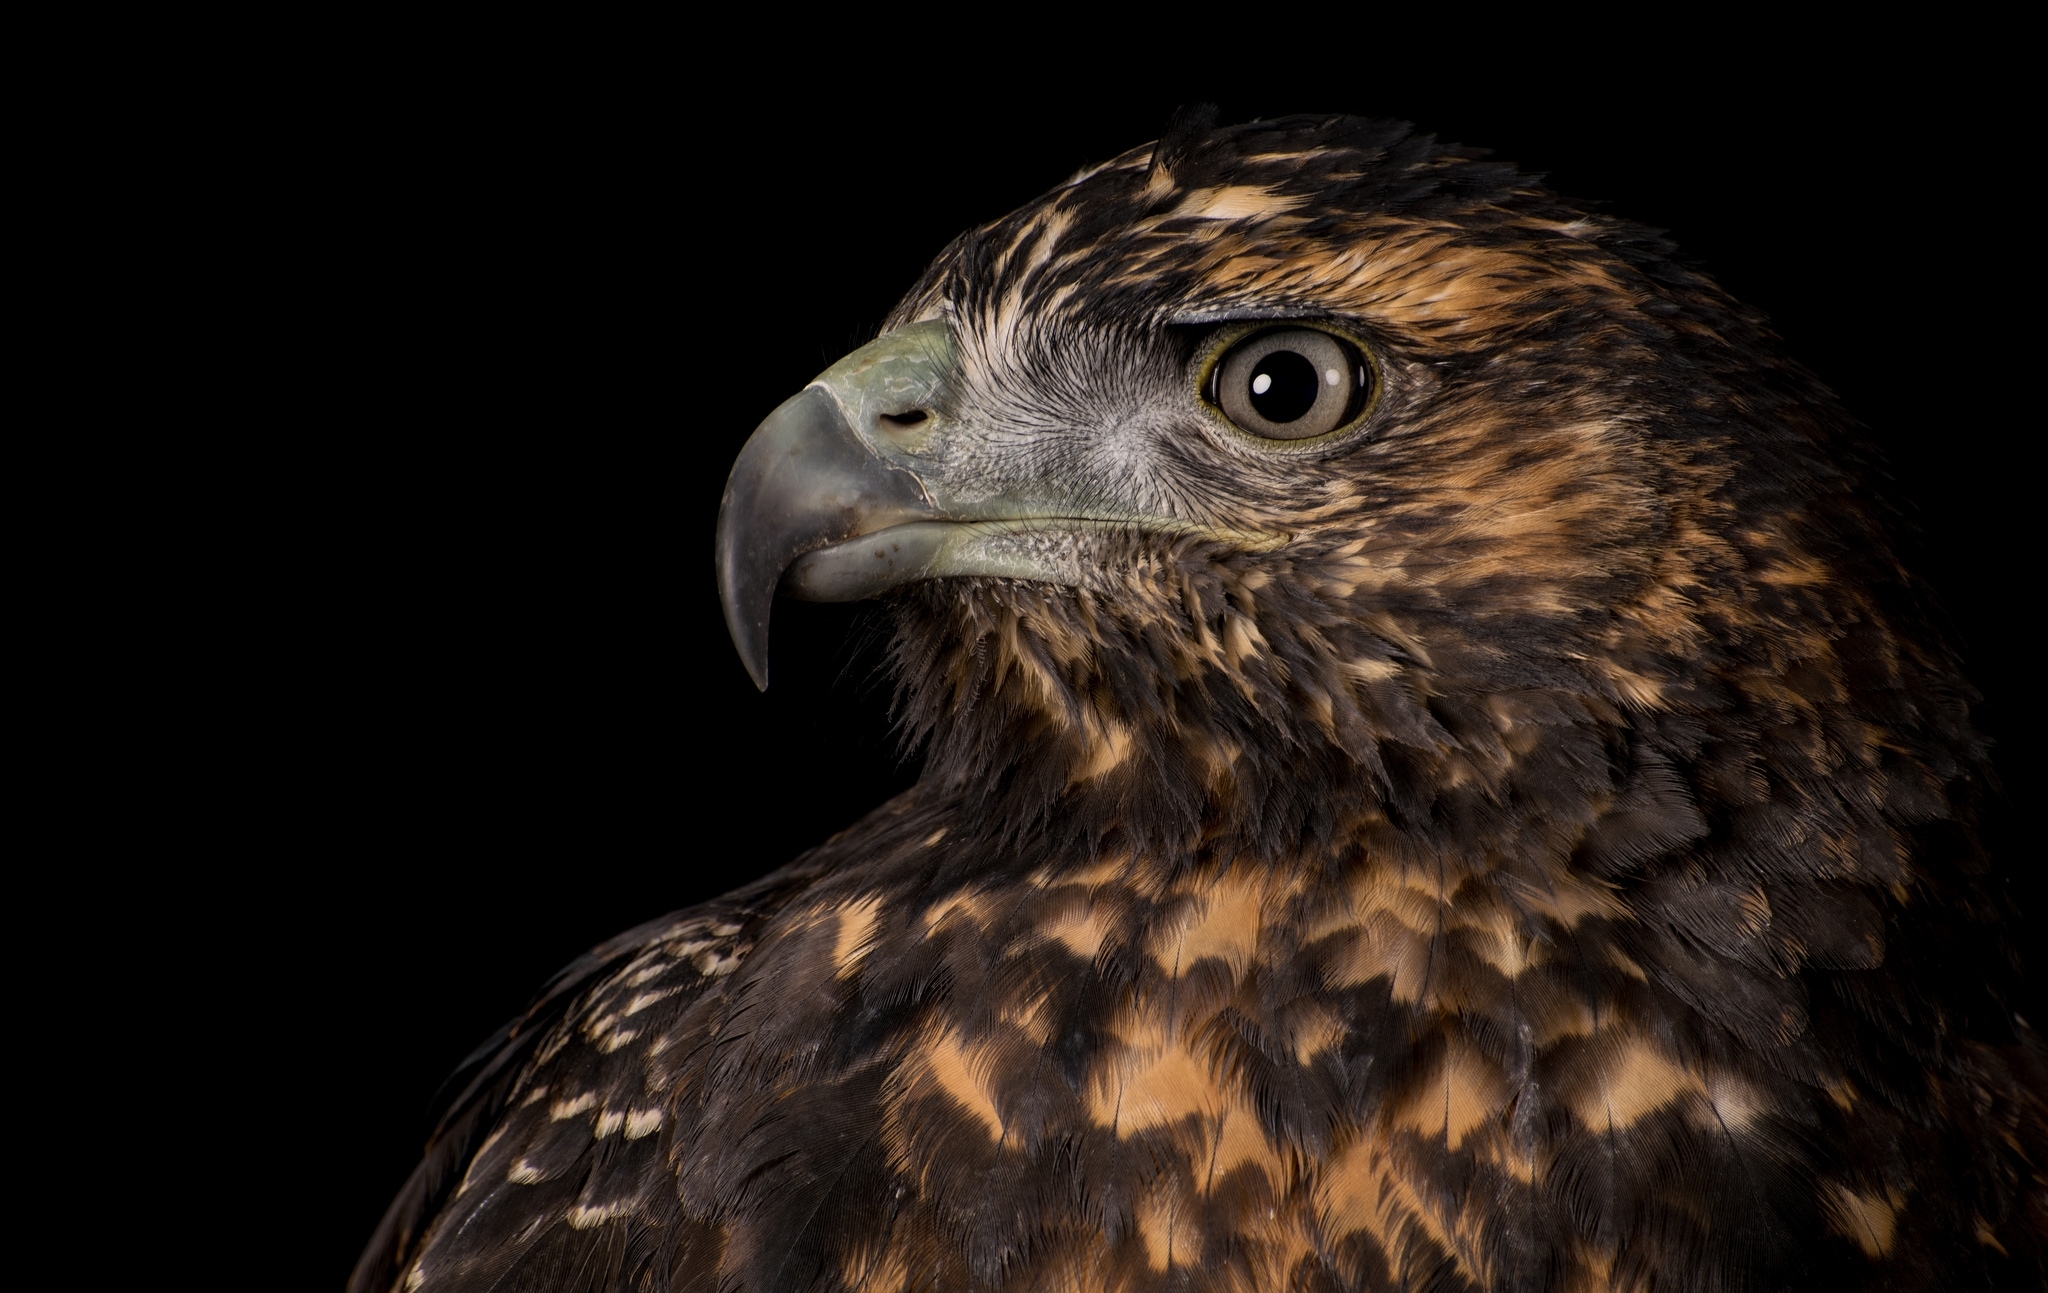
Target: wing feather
<point x="547" y="1168"/>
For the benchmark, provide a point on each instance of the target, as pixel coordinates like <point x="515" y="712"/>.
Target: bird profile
<point x="1435" y="777"/>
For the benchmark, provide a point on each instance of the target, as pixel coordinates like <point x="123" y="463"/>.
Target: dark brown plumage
<point x="1522" y="838"/>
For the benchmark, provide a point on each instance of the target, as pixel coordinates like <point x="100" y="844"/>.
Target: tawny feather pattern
<point x="1526" y="842"/>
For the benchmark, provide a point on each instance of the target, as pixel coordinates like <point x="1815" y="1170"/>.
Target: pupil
<point x="1285" y="386"/>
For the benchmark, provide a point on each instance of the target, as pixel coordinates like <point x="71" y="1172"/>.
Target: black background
<point x="519" y="306"/>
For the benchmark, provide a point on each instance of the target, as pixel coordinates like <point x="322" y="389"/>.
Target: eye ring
<point x="1287" y="384"/>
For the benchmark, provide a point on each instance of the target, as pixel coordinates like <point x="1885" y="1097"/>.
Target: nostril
<point x="909" y="419"/>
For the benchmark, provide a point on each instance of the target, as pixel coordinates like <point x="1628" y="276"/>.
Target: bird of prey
<point x="1435" y="778"/>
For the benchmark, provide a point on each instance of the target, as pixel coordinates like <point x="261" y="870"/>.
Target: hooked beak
<point x="804" y="481"/>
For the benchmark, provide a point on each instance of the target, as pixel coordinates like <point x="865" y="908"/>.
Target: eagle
<point x="1436" y="776"/>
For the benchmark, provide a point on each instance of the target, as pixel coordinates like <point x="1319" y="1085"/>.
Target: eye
<point x="1291" y="384"/>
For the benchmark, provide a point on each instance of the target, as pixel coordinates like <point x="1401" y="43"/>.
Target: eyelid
<point x="1262" y="314"/>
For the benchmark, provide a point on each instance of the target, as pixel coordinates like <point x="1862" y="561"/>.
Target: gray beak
<point x="803" y="482"/>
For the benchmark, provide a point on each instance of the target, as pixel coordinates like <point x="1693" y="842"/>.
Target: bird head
<point x="1311" y="473"/>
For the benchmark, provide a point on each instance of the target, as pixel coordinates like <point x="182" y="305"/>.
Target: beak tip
<point x="749" y="634"/>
